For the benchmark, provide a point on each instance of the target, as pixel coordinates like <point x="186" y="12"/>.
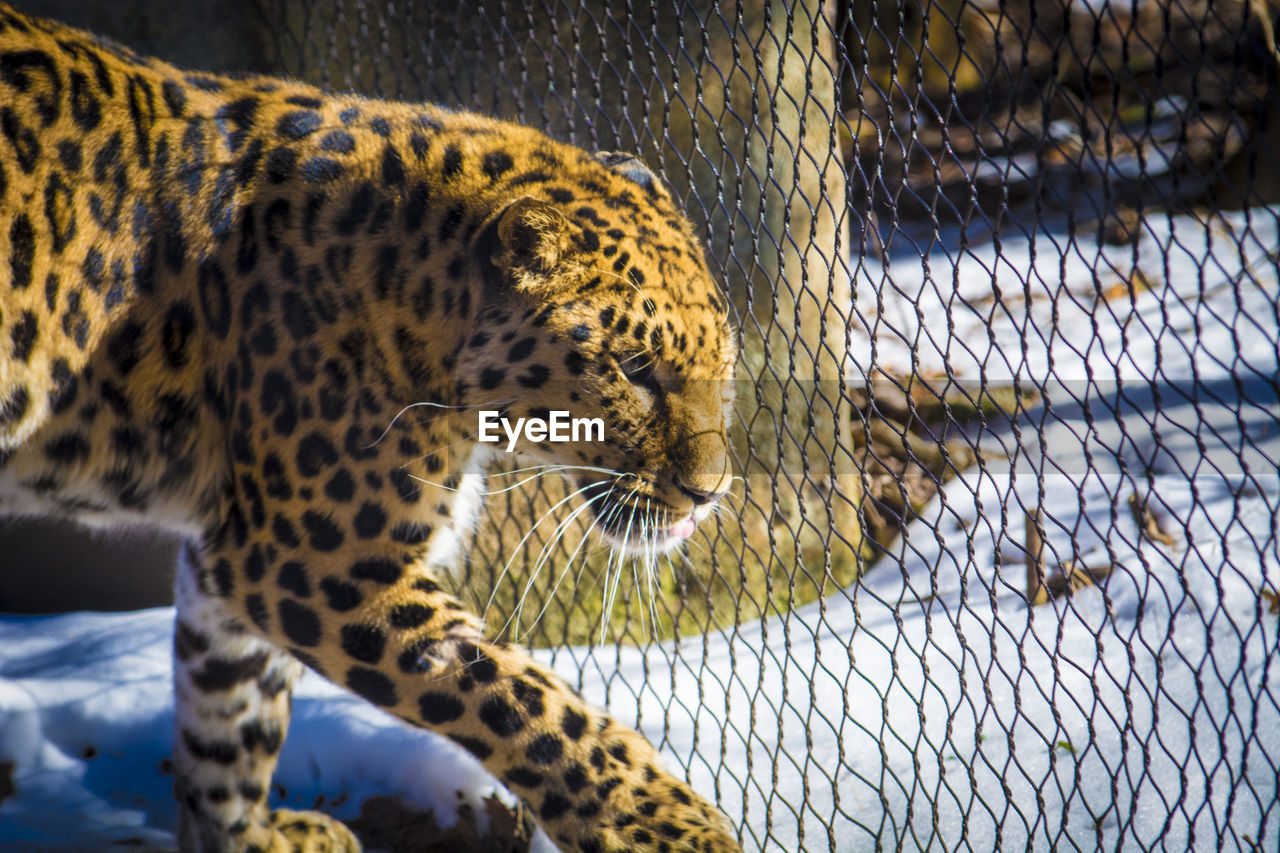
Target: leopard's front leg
<point x="233" y="700"/>
<point x="376" y="622"/>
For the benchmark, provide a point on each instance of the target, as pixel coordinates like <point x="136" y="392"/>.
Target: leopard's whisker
<point x="546" y="469"/>
<point x="556" y="536"/>
<point x="516" y="551"/>
<point x="568" y="565"/>
<point x="612" y="588"/>
<point x="428" y="403"/>
<point x="604" y="521"/>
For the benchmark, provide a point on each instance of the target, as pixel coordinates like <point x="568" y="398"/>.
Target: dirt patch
<point x="390" y="824"/>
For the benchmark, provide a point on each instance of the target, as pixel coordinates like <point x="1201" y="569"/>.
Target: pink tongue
<point x="682" y="529"/>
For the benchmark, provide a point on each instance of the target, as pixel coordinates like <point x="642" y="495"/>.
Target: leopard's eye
<point x="639" y="369"/>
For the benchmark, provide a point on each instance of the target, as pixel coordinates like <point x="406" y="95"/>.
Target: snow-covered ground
<point x="929" y="707"/>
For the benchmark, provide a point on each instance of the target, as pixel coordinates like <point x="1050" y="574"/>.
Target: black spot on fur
<point x="377" y="569"/>
<point x="523" y="776"/>
<point x="407" y="489"/>
<point x="452" y="162"/>
<point x="392" y="166"/>
<point x="277" y="398"/>
<point x="338" y="141"/>
<point x="315" y="453"/>
<point x="256" y="606"/>
<point x="284" y="531"/>
<point x="545" y="749"/>
<point x="293" y="577"/>
<point x="220" y="674"/>
<point x="496" y="163"/>
<point x="280" y="164"/>
<point x="419" y="145"/>
<point x="175" y="98"/>
<point x="86" y="109"/>
<point x="23" y="336"/>
<point x="215" y="298"/>
<point x="60" y="211"/>
<point x="365" y="643"/>
<point x="235" y="121"/>
<point x="573" y="724"/>
<point x="369" y="521"/>
<point x="341" y="487"/>
<point x="529" y="696"/>
<point x="175" y="335"/>
<point x="477" y="664"/>
<point x="188" y="642"/>
<point x="217" y="751"/>
<point x="67" y="449"/>
<point x="26" y="147"/>
<point x="318" y="170"/>
<point x="372" y="685"/>
<point x="13" y="408"/>
<point x="535" y="377"/>
<point x="575" y="778"/>
<point x="322" y="533"/>
<point x="299" y="124"/>
<point x="437" y="708"/>
<point x="22" y="250"/>
<point x="256" y="735"/>
<point x="357" y="210"/>
<point x="500" y="717"/>
<point x="123" y="347"/>
<point x="410" y="533"/>
<point x="70" y="155"/>
<point x="554" y="806"/>
<point x="410" y="616"/>
<point x="298" y="316"/>
<point x="475" y="746"/>
<point x="521" y="349"/>
<point x="300" y="623"/>
<point x="255" y="565"/>
<point x="341" y="596"/>
<point x="65" y="385"/>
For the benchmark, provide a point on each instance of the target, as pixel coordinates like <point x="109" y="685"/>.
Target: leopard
<point x="266" y="317"/>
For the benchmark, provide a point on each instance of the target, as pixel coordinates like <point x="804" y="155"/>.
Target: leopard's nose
<point x="698" y="496"/>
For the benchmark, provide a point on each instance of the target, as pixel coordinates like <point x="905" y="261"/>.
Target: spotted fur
<point x="264" y="316"/>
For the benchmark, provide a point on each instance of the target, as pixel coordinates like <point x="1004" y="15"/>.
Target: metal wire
<point x="1002" y="571"/>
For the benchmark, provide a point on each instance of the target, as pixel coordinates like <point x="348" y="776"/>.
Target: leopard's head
<point x="599" y="304"/>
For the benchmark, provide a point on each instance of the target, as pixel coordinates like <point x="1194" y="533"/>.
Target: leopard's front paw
<point x="309" y="832"/>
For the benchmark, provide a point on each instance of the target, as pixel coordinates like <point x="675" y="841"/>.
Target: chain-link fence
<point x="1002" y="568"/>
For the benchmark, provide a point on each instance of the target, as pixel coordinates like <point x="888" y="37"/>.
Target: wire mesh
<point x="1002" y="569"/>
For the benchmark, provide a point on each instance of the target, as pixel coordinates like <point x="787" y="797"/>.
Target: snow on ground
<point x="929" y="707"/>
<point x="86" y="715"/>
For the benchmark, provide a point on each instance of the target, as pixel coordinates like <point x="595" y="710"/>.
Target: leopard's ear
<point x="631" y="167"/>
<point x="523" y="243"/>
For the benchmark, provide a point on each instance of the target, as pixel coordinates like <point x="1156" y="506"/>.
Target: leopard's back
<point x="151" y="222"/>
